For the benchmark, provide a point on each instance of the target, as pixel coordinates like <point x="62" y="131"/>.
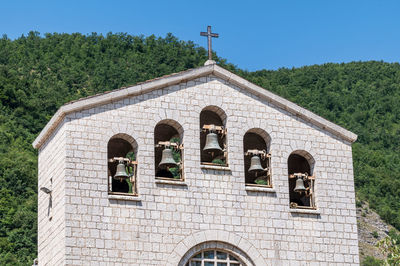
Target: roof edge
<point x="116" y="95"/>
<point x="286" y="105"/>
<point x="177" y="78"/>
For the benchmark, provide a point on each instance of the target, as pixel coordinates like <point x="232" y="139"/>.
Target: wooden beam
<point x="117" y="159"/>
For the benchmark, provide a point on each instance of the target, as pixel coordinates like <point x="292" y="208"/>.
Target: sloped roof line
<point x="173" y="79"/>
<point x="286" y="105"/>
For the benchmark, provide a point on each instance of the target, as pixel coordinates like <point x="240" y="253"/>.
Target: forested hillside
<point x="40" y="73"/>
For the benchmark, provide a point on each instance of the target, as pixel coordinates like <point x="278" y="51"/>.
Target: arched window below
<point x="213" y="146"/>
<point x="301" y="180"/>
<point x="257" y="159"/>
<point x="214" y="257"/>
<point x="122" y="165"/>
<point x="168" y="135"/>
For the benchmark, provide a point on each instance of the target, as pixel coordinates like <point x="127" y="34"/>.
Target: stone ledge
<point x="124" y="197"/>
<point x="305" y="211"/>
<point x="177" y="182"/>
<point x="215" y="167"/>
<point x="260" y="189"/>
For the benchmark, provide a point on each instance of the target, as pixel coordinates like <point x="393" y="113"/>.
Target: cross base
<point x="210" y="62"/>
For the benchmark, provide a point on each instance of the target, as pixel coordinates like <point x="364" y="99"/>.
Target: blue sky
<point x="253" y="34"/>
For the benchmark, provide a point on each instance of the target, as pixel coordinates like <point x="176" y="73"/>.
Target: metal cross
<point x="209" y="36"/>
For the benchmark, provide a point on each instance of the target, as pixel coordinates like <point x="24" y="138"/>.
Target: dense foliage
<point x="39" y="74"/>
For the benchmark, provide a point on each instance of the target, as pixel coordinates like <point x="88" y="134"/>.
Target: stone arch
<point x="306" y="155"/>
<point x="301" y="161"/>
<point x="127" y="138"/>
<point x="114" y="133"/>
<point x="217" y="239"/>
<point x="166" y="130"/>
<point x="174" y="124"/>
<point x="299" y="147"/>
<point x="258" y="139"/>
<point x="213" y="115"/>
<point x="275" y="146"/>
<point x="120" y="145"/>
<point x="263" y="134"/>
<point x="217" y="110"/>
<point x="220" y="246"/>
<point x="122" y="130"/>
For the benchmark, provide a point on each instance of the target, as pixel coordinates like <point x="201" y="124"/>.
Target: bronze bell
<point x="167" y="160"/>
<point x="299" y="185"/>
<point x="255" y="165"/>
<point x="212" y="144"/>
<point x="121" y="171"/>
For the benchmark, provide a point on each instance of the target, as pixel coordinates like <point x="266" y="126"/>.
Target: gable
<point x="211" y="69"/>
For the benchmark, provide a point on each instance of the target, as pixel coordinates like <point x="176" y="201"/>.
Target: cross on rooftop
<point x="209" y="36"/>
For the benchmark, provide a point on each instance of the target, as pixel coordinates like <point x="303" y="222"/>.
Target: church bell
<point x="212" y="144"/>
<point x="255" y="165"/>
<point x="167" y="160"/>
<point x="121" y="171"/>
<point x="299" y="185"/>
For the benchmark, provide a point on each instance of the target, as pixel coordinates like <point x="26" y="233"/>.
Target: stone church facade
<point x="208" y="212"/>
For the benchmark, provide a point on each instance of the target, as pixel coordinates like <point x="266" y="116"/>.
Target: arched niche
<point x="257" y="139"/>
<point x="301" y="162"/>
<point x="168" y="130"/>
<point x="121" y="145"/>
<point x="213" y="115"/>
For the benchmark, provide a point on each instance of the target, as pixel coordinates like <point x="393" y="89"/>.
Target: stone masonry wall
<point x="154" y="229"/>
<point x="51" y="221"/>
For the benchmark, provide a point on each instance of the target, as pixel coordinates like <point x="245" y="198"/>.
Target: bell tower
<point x="200" y="167"/>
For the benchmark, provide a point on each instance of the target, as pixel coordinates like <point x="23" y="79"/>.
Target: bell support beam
<point x="263" y="153"/>
<point x="296" y="175"/>
<point x="118" y="159"/>
<point x="219" y="129"/>
<point x="169" y="144"/>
